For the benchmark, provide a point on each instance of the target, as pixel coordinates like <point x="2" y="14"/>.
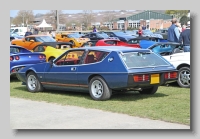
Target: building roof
<point x="147" y="15"/>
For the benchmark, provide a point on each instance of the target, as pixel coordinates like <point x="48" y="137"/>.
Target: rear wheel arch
<point x="183" y="65"/>
<point x="91" y="76"/>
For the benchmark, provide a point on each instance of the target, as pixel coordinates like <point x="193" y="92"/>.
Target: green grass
<point x="171" y="104"/>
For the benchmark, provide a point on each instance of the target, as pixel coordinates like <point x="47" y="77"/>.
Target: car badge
<point x="29" y="56"/>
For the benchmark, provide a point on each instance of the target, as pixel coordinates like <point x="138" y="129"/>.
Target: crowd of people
<point x="35" y="31"/>
<point x="180" y="35"/>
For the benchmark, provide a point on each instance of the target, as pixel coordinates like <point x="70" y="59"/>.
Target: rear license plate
<point x="155" y="78"/>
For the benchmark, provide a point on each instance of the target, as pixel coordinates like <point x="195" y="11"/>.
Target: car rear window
<point x="143" y="59"/>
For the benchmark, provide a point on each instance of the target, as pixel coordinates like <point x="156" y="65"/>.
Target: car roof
<point x="115" y="48"/>
<point x="167" y="43"/>
<point x="37" y="35"/>
<point x="54" y="43"/>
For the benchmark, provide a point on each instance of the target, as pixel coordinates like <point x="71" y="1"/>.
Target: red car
<point x="112" y="42"/>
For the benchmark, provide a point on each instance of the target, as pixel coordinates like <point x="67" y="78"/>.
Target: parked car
<point x="14" y="36"/>
<point x="149" y="33"/>
<point x="120" y="35"/>
<point x="96" y="36"/>
<point x="21" y="57"/>
<point x="163" y="32"/>
<point x="173" y="52"/>
<point x="31" y="41"/>
<point x="100" y="71"/>
<point x="73" y="38"/>
<point x="52" y="49"/>
<point x="112" y="42"/>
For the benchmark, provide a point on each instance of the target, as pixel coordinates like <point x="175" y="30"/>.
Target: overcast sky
<point x="13" y="13"/>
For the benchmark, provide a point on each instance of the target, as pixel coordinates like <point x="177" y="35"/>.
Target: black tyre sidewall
<point x="107" y="92"/>
<point x="178" y="81"/>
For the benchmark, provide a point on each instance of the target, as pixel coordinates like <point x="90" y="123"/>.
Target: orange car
<point x="31" y="41"/>
<point x="74" y="38"/>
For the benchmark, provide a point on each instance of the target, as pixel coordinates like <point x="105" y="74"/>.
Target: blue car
<point x="21" y="57"/>
<point x="100" y="71"/>
<point x="122" y="36"/>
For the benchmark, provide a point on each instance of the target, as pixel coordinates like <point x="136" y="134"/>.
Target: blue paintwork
<point x="157" y="49"/>
<point x="27" y="58"/>
<point x="114" y="73"/>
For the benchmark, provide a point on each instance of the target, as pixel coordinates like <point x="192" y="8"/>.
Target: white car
<point x="181" y="60"/>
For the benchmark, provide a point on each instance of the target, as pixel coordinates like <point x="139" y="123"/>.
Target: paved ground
<point x="26" y="114"/>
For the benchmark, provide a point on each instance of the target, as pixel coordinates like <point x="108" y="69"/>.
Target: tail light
<point x="11" y="58"/>
<point x="16" y="57"/>
<point x="170" y="75"/>
<point x="42" y="57"/>
<point x="141" y="78"/>
<point x="73" y="56"/>
<point x="69" y="56"/>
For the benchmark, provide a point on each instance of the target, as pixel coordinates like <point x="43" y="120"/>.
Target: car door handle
<point x="73" y="68"/>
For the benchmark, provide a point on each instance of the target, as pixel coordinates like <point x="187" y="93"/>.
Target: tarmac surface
<point x="27" y="114"/>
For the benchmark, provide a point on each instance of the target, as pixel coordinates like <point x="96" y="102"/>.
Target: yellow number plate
<point x="155" y="78"/>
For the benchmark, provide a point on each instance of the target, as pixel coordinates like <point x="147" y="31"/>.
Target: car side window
<point x="40" y="49"/>
<point x="111" y="42"/>
<point x="133" y="41"/>
<point x="95" y="56"/>
<point x="70" y="58"/>
<point x="27" y="38"/>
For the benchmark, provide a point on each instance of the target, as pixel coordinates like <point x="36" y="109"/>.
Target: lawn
<point x="171" y="104"/>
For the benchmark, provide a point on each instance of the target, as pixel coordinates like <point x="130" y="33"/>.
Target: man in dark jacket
<point x="28" y="32"/>
<point x="173" y="32"/>
<point x="185" y="38"/>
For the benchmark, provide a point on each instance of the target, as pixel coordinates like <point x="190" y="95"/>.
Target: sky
<point x="13" y="13"/>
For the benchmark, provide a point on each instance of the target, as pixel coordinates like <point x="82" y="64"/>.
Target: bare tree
<point x="87" y="18"/>
<point x="109" y="18"/>
<point x="23" y="17"/>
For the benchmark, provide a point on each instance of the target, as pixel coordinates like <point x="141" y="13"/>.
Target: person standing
<point x="94" y="29"/>
<point x="183" y="28"/>
<point x="35" y="30"/>
<point x="28" y="32"/>
<point x="185" y="38"/>
<point x="173" y="32"/>
<point x="140" y="31"/>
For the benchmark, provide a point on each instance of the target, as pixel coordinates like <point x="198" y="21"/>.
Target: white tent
<point x="44" y="24"/>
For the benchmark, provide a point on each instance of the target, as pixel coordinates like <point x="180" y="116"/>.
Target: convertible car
<point x="112" y="42"/>
<point x="52" y="49"/>
<point x="73" y="38"/>
<point x="173" y="52"/>
<point x="21" y="57"/>
<point x="31" y="41"/>
<point x="101" y="70"/>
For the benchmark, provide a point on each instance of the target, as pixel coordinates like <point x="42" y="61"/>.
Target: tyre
<point x="32" y="83"/>
<point x="184" y="77"/>
<point x="98" y="89"/>
<point x="151" y="90"/>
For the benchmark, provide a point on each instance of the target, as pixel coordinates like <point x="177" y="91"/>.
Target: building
<point x="149" y="19"/>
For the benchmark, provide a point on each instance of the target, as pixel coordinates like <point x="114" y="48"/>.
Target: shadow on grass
<point x="14" y="79"/>
<point x="126" y="96"/>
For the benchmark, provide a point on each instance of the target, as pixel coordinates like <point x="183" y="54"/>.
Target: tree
<point x="51" y="16"/>
<point x="109" y="17"/>
<point x="183" y="20"/>
<point x="23" y="17"/>
<point x="177" y="13"/>
<point x="87" y="18"/>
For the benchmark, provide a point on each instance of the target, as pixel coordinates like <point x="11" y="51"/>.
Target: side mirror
<point x="32" y="41"/>
<point x="51" y="63"/>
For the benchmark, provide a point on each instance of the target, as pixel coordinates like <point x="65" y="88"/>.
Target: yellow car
<point x="74" y="38"/>
<point x="31" y="41"/>
<point x="52" y="49"/>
